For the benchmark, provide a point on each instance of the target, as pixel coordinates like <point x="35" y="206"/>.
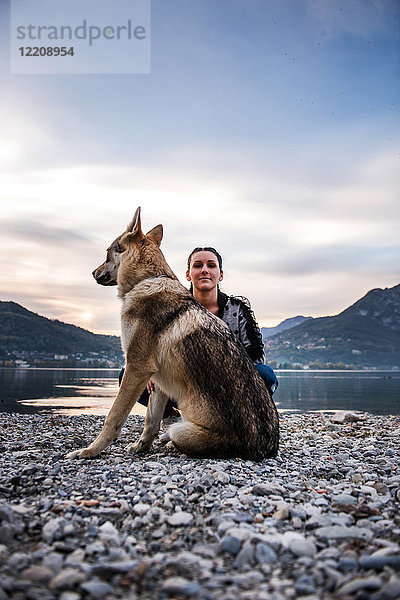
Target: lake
<point x="91" y="391"/>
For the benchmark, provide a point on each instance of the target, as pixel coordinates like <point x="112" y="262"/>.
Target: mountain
<point x="267" y="332"/>
<point x="23" y="330"/>
<point x="365" y="334"/>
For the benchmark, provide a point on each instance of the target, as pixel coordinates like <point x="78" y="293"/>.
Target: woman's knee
<point x="269" y="377"/>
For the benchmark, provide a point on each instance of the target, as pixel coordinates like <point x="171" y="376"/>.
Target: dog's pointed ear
<point x="134" y="230"/>
<point x="135" y="225"/>
<point x="156" y="234"/>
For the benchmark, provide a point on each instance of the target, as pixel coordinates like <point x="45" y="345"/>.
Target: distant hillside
<point x="23" y="330"/>
<point x="365" y="334"/>
<point x="267" y="332"/>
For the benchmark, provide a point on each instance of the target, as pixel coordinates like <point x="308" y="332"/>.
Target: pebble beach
<point x="321" y="520"/>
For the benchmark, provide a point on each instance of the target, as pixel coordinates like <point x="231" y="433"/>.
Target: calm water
<point x="93" y="390"/>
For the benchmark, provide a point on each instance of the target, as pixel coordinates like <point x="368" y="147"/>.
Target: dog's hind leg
<point x="133" y="383"/>
<point x="197" y="441"/>
<point x="154" y="414"/>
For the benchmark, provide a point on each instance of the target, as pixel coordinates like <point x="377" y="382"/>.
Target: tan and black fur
<point x="190" y="354"/>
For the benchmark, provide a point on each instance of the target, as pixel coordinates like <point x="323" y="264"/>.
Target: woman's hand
<point x="150" y="386"/>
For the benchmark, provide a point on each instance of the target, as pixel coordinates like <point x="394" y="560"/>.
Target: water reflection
<point x="75" y="391"/>
<point x="371" y="391"/>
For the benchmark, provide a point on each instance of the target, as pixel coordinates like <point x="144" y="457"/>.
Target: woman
<point x="204" y="271"/>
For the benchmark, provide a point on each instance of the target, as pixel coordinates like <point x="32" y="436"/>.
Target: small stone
<point x="75" y="558"/>
<point x="18" y="561"/>
<point x="96" y="589"/>
<point x="70" y="596"/>
<point x="223" y="477"/>
<point x="174" y="586"/>
<point x="37" y="574"/>
<point x="245" y="558"/>
<point x="389" y="591"/>
<point x="282" y="514"/>
<point x="68" y="530"/>
<point x="379" y="562"/>
<point x="359" y="583"/>
<point x="266" y="489"/>
<point x="304" y="586"/>
<point x="264" y="554"/>
<point x="336" y="532"/>
<point x="95" y="548"/>
<point x="3" y="595"/>
<point x="381" y="488"/>
<point x="181" y="518"/>
<point x="242" y="533"/>
<point x="108" y="569"/>
<point x="344" y="500"/>
<point x="53" y="561"/>
<point x="347" y="564"/>
<point x="230" y="544"/>
<point x="341" y="417"/>
<point x="53" y="530"/>
<point x="67" y="579"/>
<point x="357" y="478"/>
<point x="302" y="547"/>
<point x="141" y="509"/>
<point x="108" y="532"/>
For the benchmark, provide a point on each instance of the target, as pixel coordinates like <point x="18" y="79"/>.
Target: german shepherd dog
<point x="189" y="353"/>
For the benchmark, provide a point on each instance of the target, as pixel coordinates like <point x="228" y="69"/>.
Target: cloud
<point x="306" y="227"/>
<point x="332" y="259"/>
<point x="30" y="229"/>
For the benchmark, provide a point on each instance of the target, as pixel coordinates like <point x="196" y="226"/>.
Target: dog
<point x="189" y="353"/>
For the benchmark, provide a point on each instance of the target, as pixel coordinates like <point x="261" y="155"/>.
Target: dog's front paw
<point x="140" y="447"/>
<point x="83" y="453"/>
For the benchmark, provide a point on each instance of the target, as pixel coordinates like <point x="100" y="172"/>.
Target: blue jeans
<point x="269" y="377"/>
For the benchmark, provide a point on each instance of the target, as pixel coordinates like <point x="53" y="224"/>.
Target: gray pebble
<point x="96" y="589"/>
<point x="53" y="530"/>
<point x="180" y="586"/>
<point x="245" y="558"/>
<point x="359" y="583"/>
<point x="264" y="554"/>
<point x="231" y="544"/>
<point x="379" y="562"/>
<point x="181" y="518"/>
<point x="336" y="532"/>
<point x="302" y="547"/>
<point x="67" y="579"/>
<point x="344" y="500"/>
<point x="37" y="574"/>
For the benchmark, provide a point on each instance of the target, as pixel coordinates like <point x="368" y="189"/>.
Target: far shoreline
<point x="279" y="370"/>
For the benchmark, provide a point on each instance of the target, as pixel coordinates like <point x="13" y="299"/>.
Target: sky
<point x="268" y="129"/>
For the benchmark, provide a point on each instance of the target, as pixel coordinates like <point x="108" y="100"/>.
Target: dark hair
<point x="205" y="249"/>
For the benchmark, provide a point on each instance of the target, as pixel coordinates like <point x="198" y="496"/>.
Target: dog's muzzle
<point x="104" y="279"/>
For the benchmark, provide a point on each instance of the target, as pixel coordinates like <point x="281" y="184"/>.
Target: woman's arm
<point x="237" y="314"/>
<point x="250" y="333"/>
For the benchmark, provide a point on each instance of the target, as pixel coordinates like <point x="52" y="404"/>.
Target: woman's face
<point x="204" y="271"/>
